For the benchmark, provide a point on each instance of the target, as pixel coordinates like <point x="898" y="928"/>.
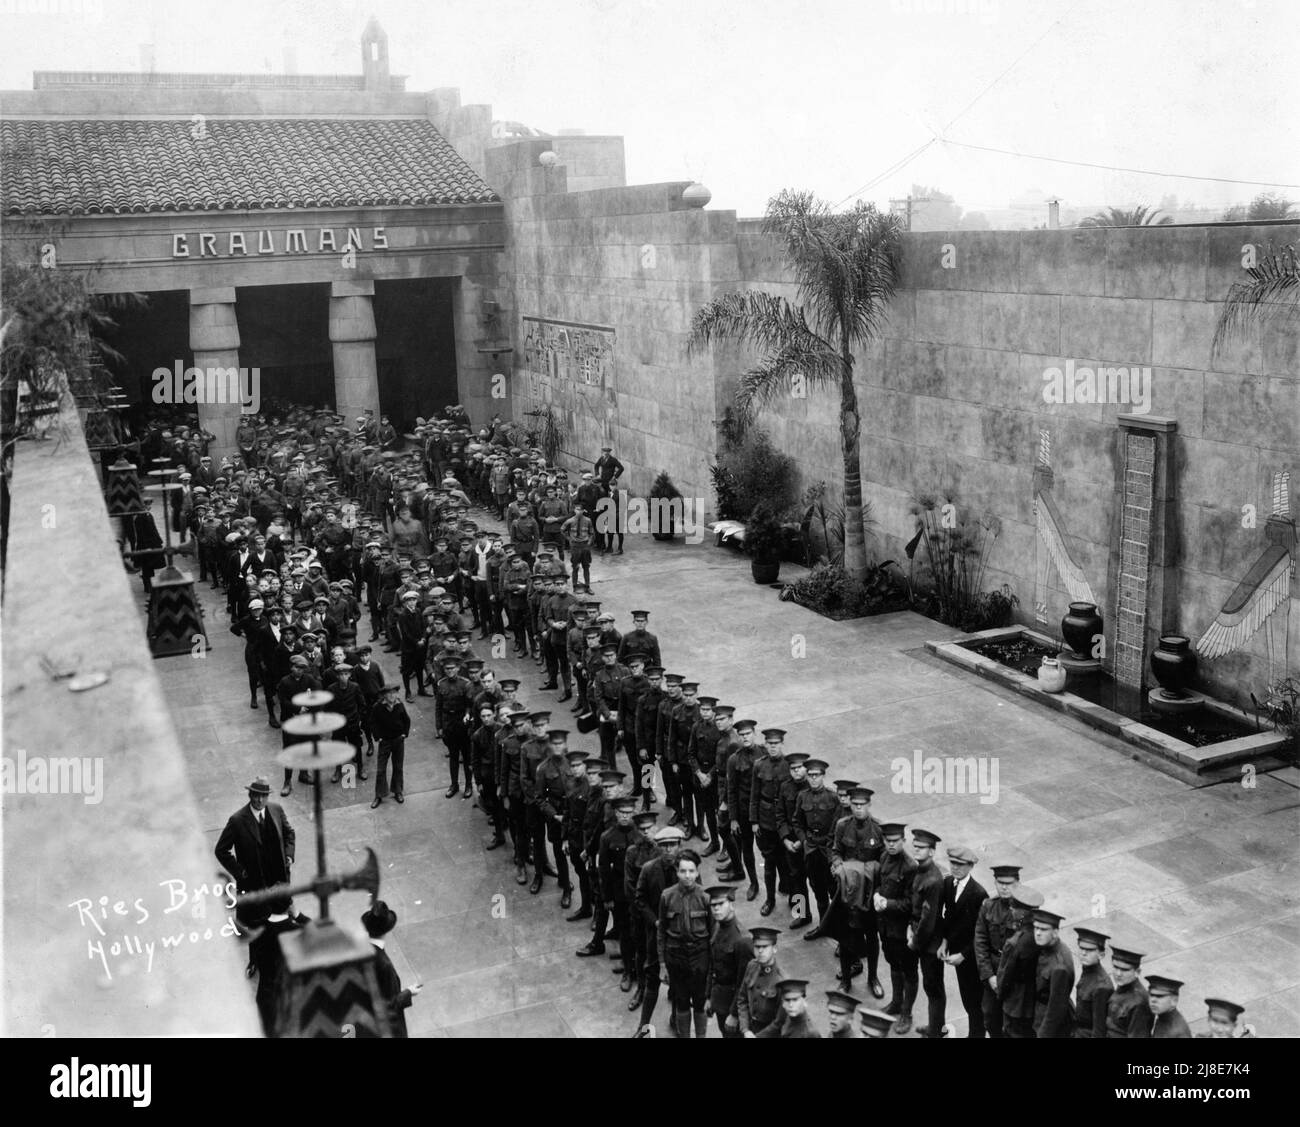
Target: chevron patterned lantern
<point x="122" y="491"/>
<point x="99" y="428"/>
<point x="331" y="988"/>
<point x="175" y="625"/>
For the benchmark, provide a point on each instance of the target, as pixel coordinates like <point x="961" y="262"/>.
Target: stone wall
<point x="619" y="270"/>
<point x="953" y="406"/>
<point x="70" y="608"/>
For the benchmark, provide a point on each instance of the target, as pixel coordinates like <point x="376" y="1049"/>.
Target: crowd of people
<point x="317" y="530"/>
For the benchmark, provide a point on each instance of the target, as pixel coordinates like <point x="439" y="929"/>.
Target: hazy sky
<point x="750" y="96"/>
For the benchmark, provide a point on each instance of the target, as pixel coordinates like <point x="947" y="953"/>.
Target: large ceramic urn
<point x="1173" y="664"/>
<point x="1080" y="627"/>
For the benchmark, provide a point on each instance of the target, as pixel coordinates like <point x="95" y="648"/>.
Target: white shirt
<point x="960" y="887"/>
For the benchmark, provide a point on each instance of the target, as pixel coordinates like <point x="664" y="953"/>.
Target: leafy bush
<point x="753" y="470"/>
<point x="764" y="537"/>
<point x="663" y="486"/>
<point x="1281" y="707"/>
<point x="828" y="590"/>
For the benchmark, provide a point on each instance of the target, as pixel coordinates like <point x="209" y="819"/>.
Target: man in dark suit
<point x="962" y="897"/>
<point x="257" y="846"/>
<point x="378" y="921"/>
<point x="253" y="628"/>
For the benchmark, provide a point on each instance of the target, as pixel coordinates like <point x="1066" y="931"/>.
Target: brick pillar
<point x="214" y="337"/>
<point x="1145" y="572"/>
<point x="352" y="332"/>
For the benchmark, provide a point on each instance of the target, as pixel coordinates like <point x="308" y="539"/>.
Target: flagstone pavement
<point x="1202" y="878"/>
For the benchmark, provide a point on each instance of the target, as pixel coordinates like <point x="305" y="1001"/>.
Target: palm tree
<point x="1273" y="290"/>
<point x="847" y="267"/>
<point x="1126" y="217"/>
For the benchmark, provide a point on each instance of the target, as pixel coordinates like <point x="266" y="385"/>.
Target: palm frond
<point x="764" y="382"/>
<point x="1273" y="290"/>
<point x="760" y="320"/>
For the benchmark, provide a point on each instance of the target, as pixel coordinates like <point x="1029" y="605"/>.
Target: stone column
<point x="352" y="332"/>
<point x="214" y="338"/>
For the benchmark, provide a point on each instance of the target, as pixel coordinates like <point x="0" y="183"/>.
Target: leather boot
<point x="701" y="1024"/>
<point x="637" y="998"/>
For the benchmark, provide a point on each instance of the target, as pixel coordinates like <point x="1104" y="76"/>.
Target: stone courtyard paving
<point x="1204" y="879"/>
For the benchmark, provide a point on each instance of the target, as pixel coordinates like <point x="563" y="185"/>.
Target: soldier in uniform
<point x="535" y="749"/>
<point x="794" y="1021"/>
<point x="729" y="953"/>
<point x="554" y="779"/>
<point x="1128" y="1013"/>
<point x="656" y="875"/>
<point x="963" y="896"/>
<point x="1054" y="978"/>
<point x="576" y="802"/>
<point x="797" y="877"/>
<point x="993" y="927"/>
<point x="510" y="787"/>
<point x="769" y="773"/>
<point x="702" y="765"/>
<point x="611" y="861"/>
<point x="641" y="852"/>
<point x="817" y="810"/>
<point x="740" y="784"/>
<point x="1221" y="1017"/>
<point x="1094" y="987"/>
<point x="483" y="745"/>
<point x="926" y="931"/>
<point x="599" y="817"/>
<point x="685" y="713"/>
<point x="603" y="696"/>
<point x="455" y="697"/>
<point x="729" y="865"/>
<point x="685" y="932"/>
<point x="1017" y="969"/>
<point x="639" y="640"/>
<point x="1163" y="999"/>
<point x="758" y="1002"/>
<point x="647" y="719"/>
<point x="840" y="1008"/>
<point x="662" y="749"/>
<point x="629" y="696"/>
<point x="893" y="904"/>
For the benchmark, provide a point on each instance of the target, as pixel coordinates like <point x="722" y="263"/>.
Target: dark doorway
<point x="154" y="333"/>
<point x="284" y="331"/>
<point x="415" y="348"/>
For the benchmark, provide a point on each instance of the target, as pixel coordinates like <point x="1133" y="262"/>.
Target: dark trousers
<point x="706" y="805"/>
<point x="818" y="867"/>
<point x="686" y="793"/>
<point x="519" y="628"/>
<point x="457" y="741"/>
<point x="672" y="790"/>
<point x="481" y="602"/>
<point x="557" y="661"/>
<point x="650" y="975"/>
<point x="553" y="832"/>
<point x="490" y="803"/>
<point x="797" y="883"/>
<point x="412" y="665"/>
<point x="688" y="971"/>
<point x="638" y="768"/>
<point x="580" y="871"/>
<point x="775" y="864"/>
<point x="991" y="1007"/>
<point x="968" y="986"/>
<point x="519" y="829"/>
<point x="904" y="976"/>
<point x="394" y="750"/>
<point x="609" y="742"/>
<point x="636" y="946"/>
<point x="935" y="994"/>
<point x="743" y="840"/>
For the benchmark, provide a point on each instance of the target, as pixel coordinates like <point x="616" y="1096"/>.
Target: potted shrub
<point x="764" y="540"/>
<point x="663" y="487"/>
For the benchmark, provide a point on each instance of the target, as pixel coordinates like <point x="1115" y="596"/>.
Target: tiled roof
<point x="97" y="167"/>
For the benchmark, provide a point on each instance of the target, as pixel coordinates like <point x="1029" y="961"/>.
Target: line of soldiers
<point x="637" y="882"/>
